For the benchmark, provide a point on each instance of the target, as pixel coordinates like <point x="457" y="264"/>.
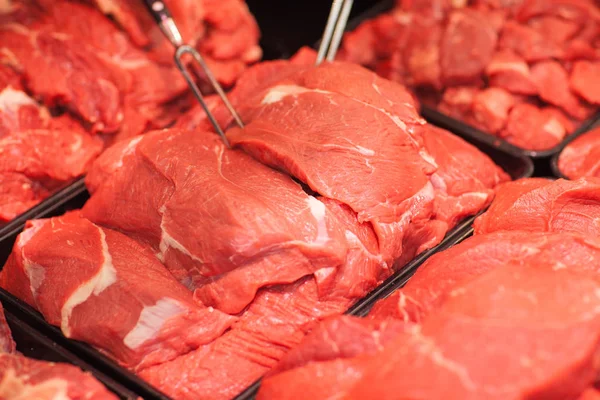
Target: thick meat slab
<point x="221" y="219"/>
<point x="581" y="157"/>
<point x="101" y="287"/>
<point x="474" y="346"/>
<point x="444" y="272"/>
<point x="364" y="134"/>
<point x="536" y="205"/>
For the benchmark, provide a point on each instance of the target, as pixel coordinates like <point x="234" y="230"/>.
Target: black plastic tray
<point x="445" y="121"/>
<point x="33" y="344"/>
<point x="554" y="161"/>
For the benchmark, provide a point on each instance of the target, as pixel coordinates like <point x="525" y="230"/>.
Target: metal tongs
<point x="334" y="30"/>
<point x="162" y="15"/>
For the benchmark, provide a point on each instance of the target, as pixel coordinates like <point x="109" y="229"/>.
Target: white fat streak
<point x="318" y="210"/>
<point x="15" y="387"/>
<point x="105" y="277"/>
<point x="36" y="274"/>
<point x="169" y="242"/>
<point x="151" y="321"/>
<point x="129" y="149"/>
<point x="554" y="128"/>
<point x="355" y="242"/>
<point x="359" y="149"/>
<point x="501" y="66"/>
<point x="28" y="233"/>
<point x="11" y="100"/>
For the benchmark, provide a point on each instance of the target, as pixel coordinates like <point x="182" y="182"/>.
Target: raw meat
<point x="103" y="288"/>
<point x="293" y="236"/>
<point x="458" y="57"/>
<point x="7" y="344"/>
<point x="584" y="80"/>
<point x="581" y="157"/>
<point x="373" y="133"/>
<point x="22" y="378"/>
<point x="538" y="206"/>
<point x="444" y="272"/>
<point x="451" y="352"/>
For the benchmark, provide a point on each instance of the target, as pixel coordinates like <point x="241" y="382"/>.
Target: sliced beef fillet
<point x="581" y="157"/>
<point x="509" y="71"/>
<point x="474" y="346"/>
<point x="101" y="287"/>
<point x="434" y="282"/>
<point x="538" y="206"/>
<point x="252" y="226"/>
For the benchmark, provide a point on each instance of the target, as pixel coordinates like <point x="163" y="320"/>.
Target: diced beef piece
<point x="585" y="81"/>
<point x="509" y="71"/>
<point x="527" y="42"/>
<point x="581" y="157"/>
<point x="535" y="129"/>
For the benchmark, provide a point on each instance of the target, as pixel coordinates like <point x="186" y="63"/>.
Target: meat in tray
<point x="521" y="73"/>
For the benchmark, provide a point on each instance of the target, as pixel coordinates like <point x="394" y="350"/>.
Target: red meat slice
<point x="434" y="282"/>
<point x="559" y="206"/>
<point x="509" y="71"/>
<point x="422" y="52"/>
<point x="582" y="156"/>
<point x="545" y="350"/>
<point x="584" y="80"/>
<point x="24" y="378"/>
<point x="553" y="86"/>
<point x="556" y="29"/>
<point x="277" y="234"/>
<point x="19" y="193"/>
<point x="535" y="129"/>
<point x="101" y="287"/>
<point x="274" y="323"/>
<point x="330" y="352"/>
<point x="467" y="46"/>
<point x="491" y="107"/>
<point x="572" y="10"/>
<point x="7" y="344"/>
<point x="19" y="112"/>
<point x="527" y="42"/>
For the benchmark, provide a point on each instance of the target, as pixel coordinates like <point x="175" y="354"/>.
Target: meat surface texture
<point x="24" y="378"/>
<point x="72" y="81"/>
<point x="485" y="319"/>
<point x="235" y="254"/>
<point x="517" y="70"/>
<point x="581" y="157"/>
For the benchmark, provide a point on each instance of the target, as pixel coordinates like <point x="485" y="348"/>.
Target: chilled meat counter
<point x="370" y="225"/>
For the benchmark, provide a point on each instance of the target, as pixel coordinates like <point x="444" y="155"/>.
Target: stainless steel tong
<point x="334" y="30"/>
<point x="162" y="15"/>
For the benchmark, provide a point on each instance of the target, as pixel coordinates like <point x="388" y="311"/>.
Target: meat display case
<point x="33" y="344"/>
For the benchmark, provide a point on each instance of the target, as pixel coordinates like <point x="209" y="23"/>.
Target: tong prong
<point x="181" y="50"/>
<point x="334" y="30"/>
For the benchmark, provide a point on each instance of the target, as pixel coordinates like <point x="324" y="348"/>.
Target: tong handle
<point x="161" y="14"/>
<point x="158" y="10"/>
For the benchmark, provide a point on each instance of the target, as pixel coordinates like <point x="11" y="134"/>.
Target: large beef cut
<point x="103" y="288"/>
<point x="23" y="378"/>
<point x="515" y="69"/>
<point x="581" y="157"/>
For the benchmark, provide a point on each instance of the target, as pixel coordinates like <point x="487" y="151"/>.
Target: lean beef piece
<point x="101" y="287"/>
<point x="474" y="346"/>
<point x="537" y="206"/>
<point x="253" y="226"/>
<point x="509" y="71"/>
<point x="584" y="80"/>
<point x="377" y="144"/>
<point x="441" y="274"/>
<point x="22" y="378"/>
<point x="223" y="31"/>
<point x="581" y="157"/>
